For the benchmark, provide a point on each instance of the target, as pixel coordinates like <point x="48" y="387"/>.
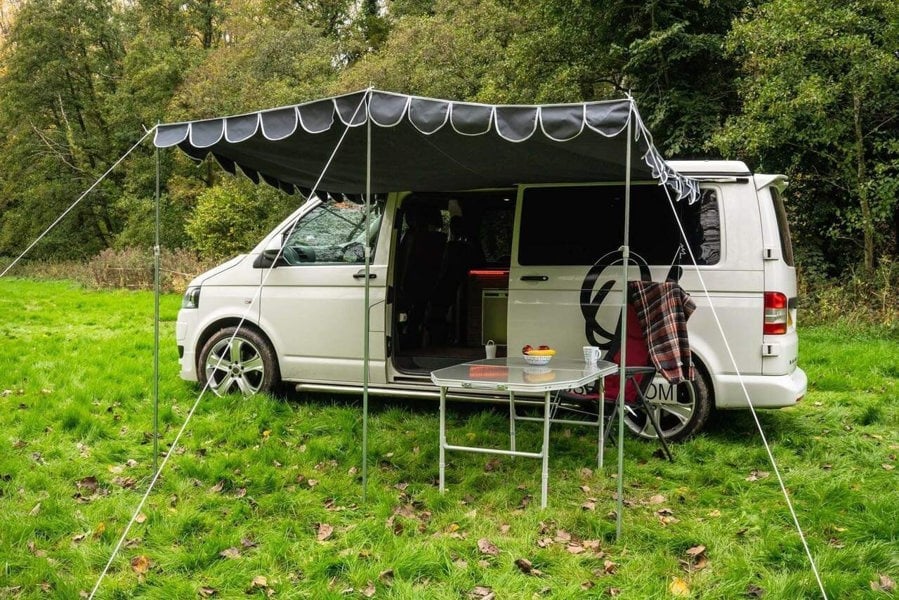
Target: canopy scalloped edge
<point x="514" y="124"/>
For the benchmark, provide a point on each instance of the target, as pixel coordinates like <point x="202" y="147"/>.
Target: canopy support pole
<point x="622" y="380"/>
<point x="367" y="317"/>
<point x="156" y="293"/>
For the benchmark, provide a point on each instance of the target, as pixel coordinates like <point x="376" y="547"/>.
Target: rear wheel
<point x="680" y="412"/>
<point x="233" y="361"/>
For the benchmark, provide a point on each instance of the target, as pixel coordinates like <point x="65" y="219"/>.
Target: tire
<point x="680" y="416"/>
<point x="233" y="361"/>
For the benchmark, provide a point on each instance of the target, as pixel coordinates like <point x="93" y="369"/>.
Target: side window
<point x="577" y="225"/>
<point x="333" y="233"/>
<point x="783" y="226"/>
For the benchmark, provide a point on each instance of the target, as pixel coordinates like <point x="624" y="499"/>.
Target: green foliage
<point x="232" y="217"/>
<point x="819" y="103"/>
<point x="251" y="482"/>
<point x="803" y="87"/>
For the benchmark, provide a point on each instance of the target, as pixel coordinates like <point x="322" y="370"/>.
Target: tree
<point x="819" y="103"/>
<point x="669" y="55"/>
<point x="60" y="65"/>
<point x="447" y="52"/>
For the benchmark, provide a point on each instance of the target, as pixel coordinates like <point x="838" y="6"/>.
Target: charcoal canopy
<point x="426" y="144"/>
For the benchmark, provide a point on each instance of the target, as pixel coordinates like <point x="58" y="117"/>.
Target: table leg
<point x="512" y="421"/>
<point x="544" y="481"/>
<point x="602" y="421"/>
<point x="442" y="437"/>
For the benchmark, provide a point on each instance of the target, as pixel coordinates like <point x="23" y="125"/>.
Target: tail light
<point x="776" y="310"/>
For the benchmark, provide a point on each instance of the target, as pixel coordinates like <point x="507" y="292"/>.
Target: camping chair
<point x="656" y="344"/>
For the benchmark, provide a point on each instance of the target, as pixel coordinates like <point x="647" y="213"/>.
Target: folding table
<point x="513" y="375"/>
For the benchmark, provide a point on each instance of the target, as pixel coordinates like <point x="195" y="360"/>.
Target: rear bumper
<point x="765" y="391"/>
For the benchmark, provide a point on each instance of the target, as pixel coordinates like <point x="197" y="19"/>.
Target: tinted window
<point x="577" y="225"/>
<point x="783" y="226"/>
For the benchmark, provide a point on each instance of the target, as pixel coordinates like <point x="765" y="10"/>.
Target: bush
<point x="232" y="216"/>
<point x="861" y="298"/>
<point x="132" y="268"/>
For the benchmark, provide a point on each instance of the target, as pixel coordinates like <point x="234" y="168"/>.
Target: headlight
<point x="191" y="298"/>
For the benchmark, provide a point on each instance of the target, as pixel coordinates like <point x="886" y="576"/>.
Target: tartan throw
<point x="663" y="310"/>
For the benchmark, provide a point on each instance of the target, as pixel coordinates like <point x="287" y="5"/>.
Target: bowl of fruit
<point x="537" y="355"/>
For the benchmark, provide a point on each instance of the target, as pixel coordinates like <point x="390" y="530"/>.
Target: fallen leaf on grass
<point x="140" y="565"/>
<point x="754" y="591"/>
<point x="757" y="475"/>
<point x="666" y="516"/>
<point x="99" y="530"/>
<point x="140" y="518"/>
<point x="883" y="584"/>
<point x="527" y="567"/>
<point x="324" y="532"/>
<point x="32" y="547"/>
<point x="125" y="482"/>
<point x="679" y="588"/>
<point x="230" y="553"/>
<point x="207" y="592"/>
<point x="657" y="499"/>
<point x="608" y="568"/>
<point x="487" y="547"/>
<point x="386" y="576"/>
<point x="590" y="504"/>
<point x="481" y="592"/>
<point x="260" y="582"/>
<point x="696" y="559"/>
<point x="34" y="511"/>
<point x="88" y="483"/>
<point x="887" y="467"/>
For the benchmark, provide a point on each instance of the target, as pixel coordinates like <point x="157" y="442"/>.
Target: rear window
<point x="783" y="227"/>
<point x="579" y="224"/>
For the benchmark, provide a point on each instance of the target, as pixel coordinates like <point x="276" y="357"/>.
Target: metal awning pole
<point x="622" y="380"/>
<point x="367" y="317"/>
<point x="156" y="292"/>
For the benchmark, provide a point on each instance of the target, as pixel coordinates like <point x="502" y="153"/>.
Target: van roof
<point x="711" y="167"/>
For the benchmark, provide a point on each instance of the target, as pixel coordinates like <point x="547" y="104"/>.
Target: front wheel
<point x="680" y="410"/>
<point x="238" y="361"/>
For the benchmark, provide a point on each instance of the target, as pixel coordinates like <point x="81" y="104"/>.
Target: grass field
<point x="263" y="497"/>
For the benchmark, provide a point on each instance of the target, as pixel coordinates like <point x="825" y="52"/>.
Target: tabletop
<point x="514" y="374"/>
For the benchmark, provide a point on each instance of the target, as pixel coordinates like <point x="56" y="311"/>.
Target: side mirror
<point x="270" y="258"/>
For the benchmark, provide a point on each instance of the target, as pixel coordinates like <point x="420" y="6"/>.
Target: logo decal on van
<point x="606" y="271"/>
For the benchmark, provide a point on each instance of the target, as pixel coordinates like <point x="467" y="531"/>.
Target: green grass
<point x="258" y="478"/>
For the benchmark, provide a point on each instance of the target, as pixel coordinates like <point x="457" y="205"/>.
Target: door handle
<point x="361" y="275"/>
<point x="535" y="278"/>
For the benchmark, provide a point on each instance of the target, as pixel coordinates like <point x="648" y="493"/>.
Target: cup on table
<point x="490" y="349"/>
<point x="591" y="354"/>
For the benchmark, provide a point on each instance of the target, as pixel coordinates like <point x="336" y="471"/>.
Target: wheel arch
<point x="224" y="323"/>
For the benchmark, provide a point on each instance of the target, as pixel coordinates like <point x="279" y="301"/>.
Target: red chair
<point x="656" y="343"/>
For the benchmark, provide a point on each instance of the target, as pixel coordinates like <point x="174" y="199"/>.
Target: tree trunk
<point x="862" y="183"/>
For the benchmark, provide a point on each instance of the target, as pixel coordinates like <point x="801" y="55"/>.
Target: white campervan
<point x="452" y="270"/>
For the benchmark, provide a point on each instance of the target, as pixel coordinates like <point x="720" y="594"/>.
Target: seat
<point x="418" y="266"/>
<point x="460" y="255"/>
<point x="656" y="343"/>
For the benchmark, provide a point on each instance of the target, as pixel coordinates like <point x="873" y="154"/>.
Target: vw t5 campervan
<point x="453" y="270"/>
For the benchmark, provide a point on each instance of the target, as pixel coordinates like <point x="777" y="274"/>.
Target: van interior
<point x="451" y="277"/>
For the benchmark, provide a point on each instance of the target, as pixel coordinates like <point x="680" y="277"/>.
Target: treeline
<point x="801" y="87"/>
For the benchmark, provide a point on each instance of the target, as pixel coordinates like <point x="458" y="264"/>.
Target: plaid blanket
<point x="663" y="310"/>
